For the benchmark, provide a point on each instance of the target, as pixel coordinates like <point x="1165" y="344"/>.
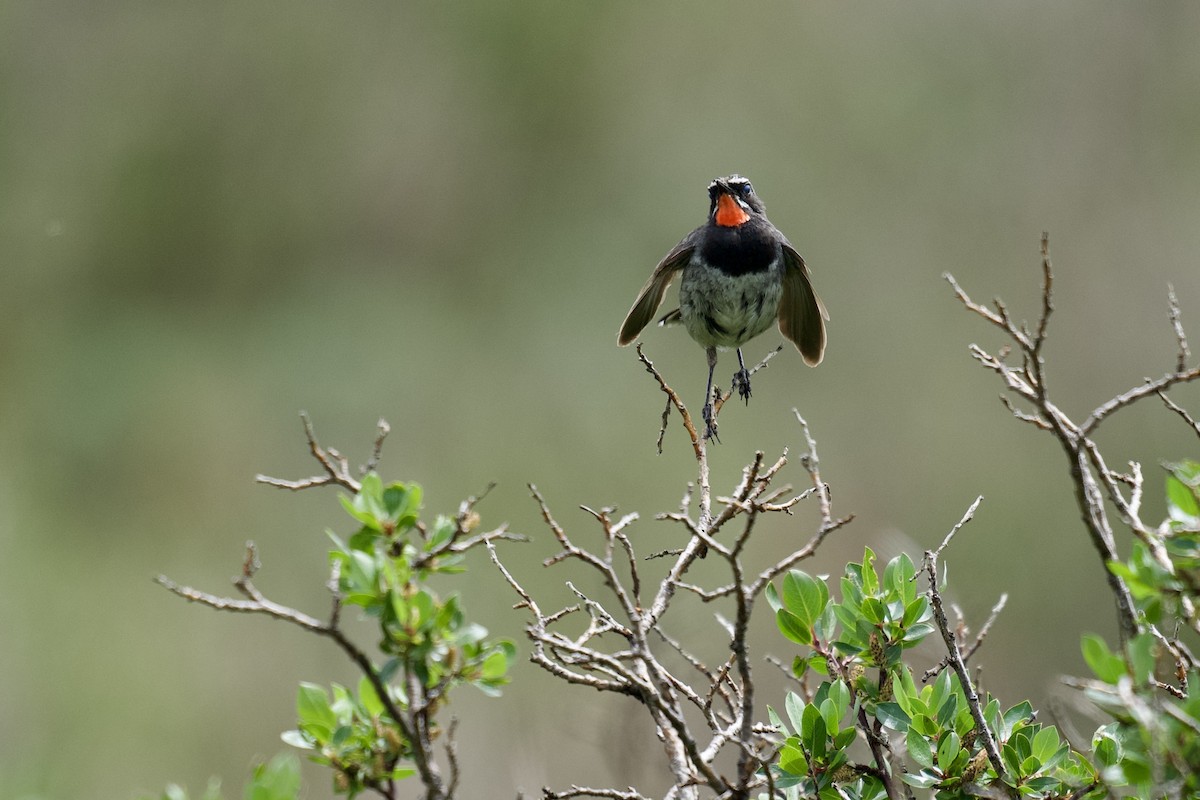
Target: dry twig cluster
<point x="1096" y="484"/>
<point x="701" y="712"/>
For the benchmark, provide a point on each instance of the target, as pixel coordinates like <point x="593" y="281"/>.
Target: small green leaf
<point x="1105" y="665"/>
<point x="773" y="597"/>
<point x="898" y="577"/>
<point x="947" y="752"/>
<point x="921" y="780"/>
<point x="891" y="715"/>
<point x="870" y="580"/>
<point x="296" y="739"/>
<point x="278" y="779"/>
<point x="1141" y="657"/>
<point x="314" y="711"/>
<point x="793" y="627"/>
<point x="1045" y="743"/>
<point x="804" y="596"/>
<point x="792" y="760"/>
<point x="918" y="747"/>
<point x="1183" y="493"/>
<point x="813" y="733"/>
<point x="794" y="705"/>
<point x="495" y="666"/>
<point x="370" y="698"/>
<point x="916" y="611"/>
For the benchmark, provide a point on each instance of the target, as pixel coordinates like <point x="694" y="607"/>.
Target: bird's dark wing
<point x="802" y="315"/>
<point x="651" y="296"/>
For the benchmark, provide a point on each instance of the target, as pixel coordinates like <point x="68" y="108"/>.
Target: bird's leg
<point x="710" y="417"/>
<point x="741" y="379"/>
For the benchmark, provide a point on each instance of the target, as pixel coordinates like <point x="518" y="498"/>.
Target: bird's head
<point x="732" y="201"/>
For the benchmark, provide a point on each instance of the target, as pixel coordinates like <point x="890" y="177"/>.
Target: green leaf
<point x="921" y="780"/>
<point x="870" y="579"/>
<point x="776" y="720"/>
<point x="443" y="529"/>
<point x="296" y="739"/>
<point x="1141" y="657"/>
<point x="793" y="627"/>
<point x="891" y="715"/>
<point x="1105" y="665"/>
<point x="948" y="710"/>
<point x="799" y="666"/>
<point x="1183" y="493"/>
<point x="370" y="698"/>
<point x="1021" y="712"/>
<point x="918" y="747"/>
<point x="314" y="711"/>
<point x="839" y="694"/>
<point x="495" y="666"/>
<point x="804" y="596"/>
<point x="947" y="751"/>
<point x="813" y="733"/>
<point x="792" y="760"/>
<point x="941" y="690"/>
<point x="898" y="577"/>
<point x="773" y="597"/>
<point x="829" y="712"/>
<point x="794" y="705"/>
<point x="1043" y="785"/>
<point x="916" y="611"/>
<point x="279" y="779"/>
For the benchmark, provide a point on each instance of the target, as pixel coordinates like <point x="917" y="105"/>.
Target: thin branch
<point x="673" y="399"/>
<point x="337" y="467"/>
<point x="1176" y="319"/>
<point x="1182" y="412"/>
<point x="1150" y="387"/>
<point x="967" y="517"/>
<point x="584" y="791"/>
<point x="956" y="657"/>
<point x="259" y="604"/>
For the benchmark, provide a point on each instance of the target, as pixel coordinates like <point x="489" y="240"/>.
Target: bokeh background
<point x="214" y="215"/>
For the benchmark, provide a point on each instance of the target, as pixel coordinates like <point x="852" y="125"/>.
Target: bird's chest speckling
<point x="724" y="309"/>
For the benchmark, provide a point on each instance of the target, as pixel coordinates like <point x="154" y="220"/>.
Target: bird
<point x="739" y="274"/>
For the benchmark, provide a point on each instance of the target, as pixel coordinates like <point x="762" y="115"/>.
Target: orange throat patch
<point x="729" y="213"/>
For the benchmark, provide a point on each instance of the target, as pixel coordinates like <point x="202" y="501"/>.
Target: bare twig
<point x="957" y="662"/>
<point x="1091" y="480"/>
<point x="584" y="791"/>
<point x="1176" y="318"/>
<point x="337" y="467"/>
<point x="619" y="648"/>
<point x="1182" y="412"/>
<point x="259" y="604"/>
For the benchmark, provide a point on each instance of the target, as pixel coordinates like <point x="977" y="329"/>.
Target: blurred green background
<point x="212" y="216"/>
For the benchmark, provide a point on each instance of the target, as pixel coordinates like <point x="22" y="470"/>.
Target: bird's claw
<point x="710" y="423"/>
<point x="741" y="383"/>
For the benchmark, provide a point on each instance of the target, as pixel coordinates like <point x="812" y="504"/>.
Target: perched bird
<point x="739" y="274"/>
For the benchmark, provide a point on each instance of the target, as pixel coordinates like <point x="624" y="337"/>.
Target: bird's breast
<point x="739" y="250"/>
<point x="726" y="310"/>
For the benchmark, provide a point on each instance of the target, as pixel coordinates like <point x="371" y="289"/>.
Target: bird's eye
<point x="746" y="189"/>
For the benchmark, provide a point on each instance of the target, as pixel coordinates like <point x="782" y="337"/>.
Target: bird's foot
<point x="710" y="423"/>
<point x="741" y="382"/>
